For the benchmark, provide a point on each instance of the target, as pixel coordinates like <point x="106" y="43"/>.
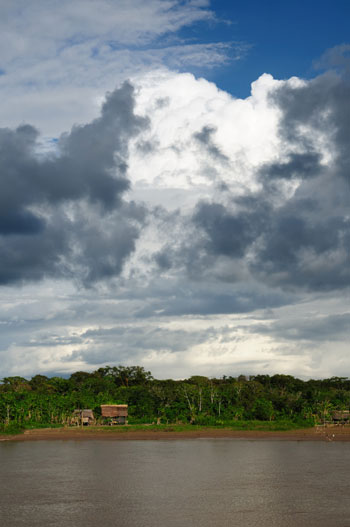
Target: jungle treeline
<point x="197" y="400"/>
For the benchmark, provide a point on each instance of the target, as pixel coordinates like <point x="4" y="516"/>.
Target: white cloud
<point x="58" y="57"/>
<point x="54" y="328"/>
<point x="50" y="329"/>
<point x="244" y="130"/>
<point x="59" y="24"/>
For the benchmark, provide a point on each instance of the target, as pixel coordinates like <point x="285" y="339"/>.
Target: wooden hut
<point x="83" y="417"/>
<point x="341" y="416"/>
<point x="115" y="414"/>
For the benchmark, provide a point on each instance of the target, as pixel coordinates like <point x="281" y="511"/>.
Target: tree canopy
<point x="198" y="399"/>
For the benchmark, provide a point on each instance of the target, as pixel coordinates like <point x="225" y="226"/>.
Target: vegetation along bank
<point x="260" y="402"/>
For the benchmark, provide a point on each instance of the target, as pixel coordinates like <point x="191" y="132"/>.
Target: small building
<point x="83" y="417"/>
<point x="341" y="416"/>
<point x="115" y="414"/>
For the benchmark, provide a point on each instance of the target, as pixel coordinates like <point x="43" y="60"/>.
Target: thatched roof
<point x="114" y="410"/>
<point x="86" y="413"/>
<point x="341" y="415"/>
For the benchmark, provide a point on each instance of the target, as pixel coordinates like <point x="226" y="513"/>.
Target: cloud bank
<point x="181" y="228"/>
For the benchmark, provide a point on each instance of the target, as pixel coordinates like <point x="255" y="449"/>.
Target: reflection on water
<point x="200" y="482"/>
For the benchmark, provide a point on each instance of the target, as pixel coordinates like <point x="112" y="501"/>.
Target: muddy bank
<point x="335" y="433"/>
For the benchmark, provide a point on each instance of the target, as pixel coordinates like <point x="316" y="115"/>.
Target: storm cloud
<point x="62" y="214"/>
<point x="322" y="328"/>
<point x="186" y="228"/>
<point x="293" y="230"/>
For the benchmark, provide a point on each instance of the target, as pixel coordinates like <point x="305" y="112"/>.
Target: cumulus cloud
<point x="290" y="226"/>
<point x="58" y="57"/>
<point x="212" y="212"/>
<point x="64" y="212"/>
<point x="308" y="239"/>
<point x="204" y="137"/>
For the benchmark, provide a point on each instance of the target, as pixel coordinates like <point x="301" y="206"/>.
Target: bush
<point x="11" y="429"/>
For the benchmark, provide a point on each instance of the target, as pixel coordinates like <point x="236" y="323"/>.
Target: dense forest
<point x="197" y="400"/>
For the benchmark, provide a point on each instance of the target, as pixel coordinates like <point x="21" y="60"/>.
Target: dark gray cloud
<point x="336" y="59"/>
<point x="129" y="343"/>
<point x="103" y="244"/>
<point x="308" y="240"/>
<point x="45" y="229"/>
<point x="90" y="162"/>
<point x="205" y="138"/>
<point x="296" y="238"/>
<point x="171" y="297"/>
<point x="226" y="232"/>
<point x="318" y="329"/>
<point x="301" y="243"/>
<point x="64" y="215"/>
<point x="300" y="250"/>
<point x="163" y="259"/>
<point x="34" y="256"/>
<point x="25" y="222"/>
<point x="298" y="165"/>
<point x="320" y="106"/>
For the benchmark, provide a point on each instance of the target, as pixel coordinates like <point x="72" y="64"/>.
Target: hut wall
<point x="85" y="417"/>
<point x="114" y="410"/>
<point x="341" y="416"/>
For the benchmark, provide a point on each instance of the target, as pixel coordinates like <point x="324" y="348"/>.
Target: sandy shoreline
<point x="335" y="433"/>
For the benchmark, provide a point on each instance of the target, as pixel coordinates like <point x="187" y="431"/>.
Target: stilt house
<point x="341" y="416"/>
<point x="115" y="414"/>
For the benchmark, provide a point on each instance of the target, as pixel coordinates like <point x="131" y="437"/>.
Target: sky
<point x="174" y="187"/>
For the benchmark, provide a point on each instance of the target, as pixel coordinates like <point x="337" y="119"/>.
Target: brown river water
<point x="204" y="482"/>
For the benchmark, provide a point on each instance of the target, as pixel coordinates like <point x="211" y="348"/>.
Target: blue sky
<point x="286" y="38"/>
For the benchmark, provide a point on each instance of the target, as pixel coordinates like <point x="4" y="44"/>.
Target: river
<point x="177" y="483"/>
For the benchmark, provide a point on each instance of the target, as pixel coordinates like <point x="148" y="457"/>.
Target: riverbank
<point x="319" y="433"/>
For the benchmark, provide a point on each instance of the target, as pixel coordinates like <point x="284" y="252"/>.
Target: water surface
<point x="200" y="482"/>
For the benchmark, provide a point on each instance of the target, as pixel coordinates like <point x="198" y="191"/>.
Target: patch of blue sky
<point x="285" y="38"/>
<point x="47" y="146"/>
